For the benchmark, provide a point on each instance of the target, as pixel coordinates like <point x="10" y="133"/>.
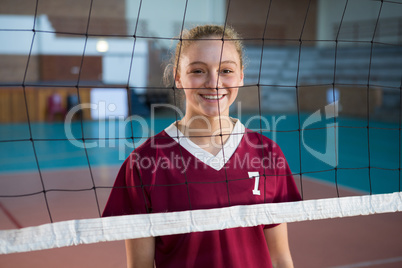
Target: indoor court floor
<point x="361" y="241"/>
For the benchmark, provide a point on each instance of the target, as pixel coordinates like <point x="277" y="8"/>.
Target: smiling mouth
<point x="213" y="97"/>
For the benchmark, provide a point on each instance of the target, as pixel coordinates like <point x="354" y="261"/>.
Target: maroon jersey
<point x="170" y="173"/>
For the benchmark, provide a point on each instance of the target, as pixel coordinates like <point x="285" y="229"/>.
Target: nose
<point x="213" y="80"/>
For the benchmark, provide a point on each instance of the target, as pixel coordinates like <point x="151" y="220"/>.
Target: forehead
<point x="210" y="50"/>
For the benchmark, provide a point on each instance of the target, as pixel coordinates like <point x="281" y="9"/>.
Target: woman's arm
<point x="277" y="241"/>
<point x="140" y="252"/>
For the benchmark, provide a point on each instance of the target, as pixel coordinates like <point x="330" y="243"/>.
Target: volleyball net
<point x="333" y="106"/>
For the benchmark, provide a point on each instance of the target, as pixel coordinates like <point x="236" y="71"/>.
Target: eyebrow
<point x="222" y="62"/>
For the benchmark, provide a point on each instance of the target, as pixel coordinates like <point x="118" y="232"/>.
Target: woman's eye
<point x="197" y="71"/>
<point x="226" y="71"/>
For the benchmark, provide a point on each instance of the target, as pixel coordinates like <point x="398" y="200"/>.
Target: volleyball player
<point x="206" y="160"/>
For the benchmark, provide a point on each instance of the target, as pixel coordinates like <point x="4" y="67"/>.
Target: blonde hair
<point x="196" y="33"/>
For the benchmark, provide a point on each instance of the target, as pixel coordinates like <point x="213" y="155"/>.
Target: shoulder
<point x="156" y="142"/>
<point x="253" y="138"/>
<point x="149" y="150"/>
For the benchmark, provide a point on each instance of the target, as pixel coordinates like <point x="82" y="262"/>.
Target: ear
<point x="177" y="79"/>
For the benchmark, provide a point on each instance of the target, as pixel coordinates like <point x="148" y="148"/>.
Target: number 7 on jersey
<point x="256" y="176"/>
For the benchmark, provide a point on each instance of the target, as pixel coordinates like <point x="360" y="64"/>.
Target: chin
<point x="215" y="113"/>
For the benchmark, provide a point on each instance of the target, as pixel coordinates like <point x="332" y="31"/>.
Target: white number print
<point x="256" y="176"/>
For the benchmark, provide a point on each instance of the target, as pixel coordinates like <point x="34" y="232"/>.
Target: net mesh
<point x="356" y="151"/>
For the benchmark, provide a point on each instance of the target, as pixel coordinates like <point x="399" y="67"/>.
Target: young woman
<point x="206" y="160"/>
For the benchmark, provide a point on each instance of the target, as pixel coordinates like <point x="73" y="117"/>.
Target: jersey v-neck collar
<point x="217" y="161"/>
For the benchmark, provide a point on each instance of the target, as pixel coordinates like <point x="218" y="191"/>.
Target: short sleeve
<point x="128" y="195"/>
<point x="286" y="189"/>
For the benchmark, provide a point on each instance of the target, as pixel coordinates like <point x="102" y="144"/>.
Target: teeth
<point x="212" y="97"/>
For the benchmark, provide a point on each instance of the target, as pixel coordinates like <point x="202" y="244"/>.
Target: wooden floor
<point x="362" y="241"/>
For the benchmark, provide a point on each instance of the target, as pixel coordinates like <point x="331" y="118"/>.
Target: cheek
<point x="233" y="94"/>
<point x="232" y="97"/>
<point x="232" y="81"/>
<point x="190" y="95"/>
<point x="196" y="81"/>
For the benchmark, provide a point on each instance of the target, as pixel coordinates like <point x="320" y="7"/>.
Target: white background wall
<point x="116" y="61"/>
<point x="330" y="14"/>
<point x="164" y="18"/>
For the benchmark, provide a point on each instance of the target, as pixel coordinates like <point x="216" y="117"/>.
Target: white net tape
<point x="75" y="232"/>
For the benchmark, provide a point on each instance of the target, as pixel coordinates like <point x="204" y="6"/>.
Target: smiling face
<point x="210" y="75"/>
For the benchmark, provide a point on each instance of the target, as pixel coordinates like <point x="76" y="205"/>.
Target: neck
<point x="207" y="126"/>
<point x="206" y="131"/>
